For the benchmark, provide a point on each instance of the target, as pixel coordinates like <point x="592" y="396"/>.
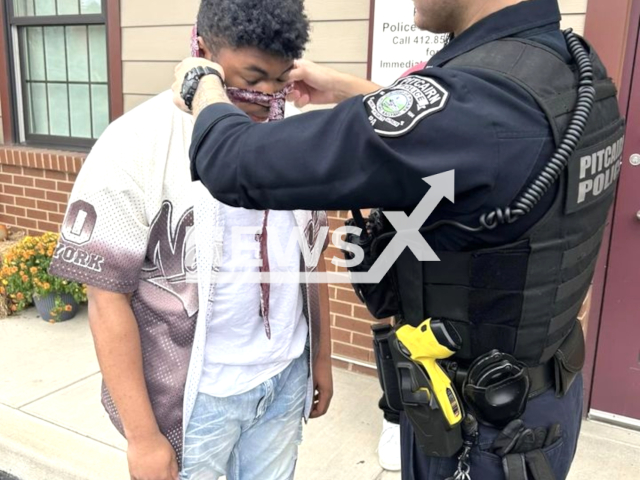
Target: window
<point x="60" y="60"/>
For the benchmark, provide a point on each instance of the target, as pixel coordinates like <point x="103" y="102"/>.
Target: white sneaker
<point x="389" y="447"/>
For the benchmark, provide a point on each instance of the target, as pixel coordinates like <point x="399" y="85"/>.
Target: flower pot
<point x="47" y="303"/>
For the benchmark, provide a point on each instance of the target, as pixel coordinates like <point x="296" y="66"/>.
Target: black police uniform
<point x="470" y="111"/>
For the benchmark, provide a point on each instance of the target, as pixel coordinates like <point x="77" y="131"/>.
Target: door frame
<point x="617" y="49"/>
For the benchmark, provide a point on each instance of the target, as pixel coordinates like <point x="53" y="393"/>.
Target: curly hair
<point x="279" y="27"/>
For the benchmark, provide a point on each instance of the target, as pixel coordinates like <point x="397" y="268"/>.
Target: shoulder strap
<point x="539" y="70"/>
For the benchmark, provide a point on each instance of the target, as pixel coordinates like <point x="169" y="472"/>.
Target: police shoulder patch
<point x="396" y="110"/>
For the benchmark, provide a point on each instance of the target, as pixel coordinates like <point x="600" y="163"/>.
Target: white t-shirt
<point x="239" y="356"/>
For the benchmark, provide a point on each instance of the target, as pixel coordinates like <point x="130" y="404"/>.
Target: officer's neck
<point x="477" y="11"/>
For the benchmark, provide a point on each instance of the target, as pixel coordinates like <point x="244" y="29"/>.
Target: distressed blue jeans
<point x="252" y="436"/>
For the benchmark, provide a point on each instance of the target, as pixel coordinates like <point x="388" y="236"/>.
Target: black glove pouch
<point x="381" y="298"/>
<point x="569" y="360"/>
<point x="496" y="388"/>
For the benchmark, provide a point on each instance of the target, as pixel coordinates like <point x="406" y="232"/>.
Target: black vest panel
<point x="523" y="298"/>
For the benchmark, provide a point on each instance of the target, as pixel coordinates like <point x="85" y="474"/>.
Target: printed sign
<point x="397" y="44"/>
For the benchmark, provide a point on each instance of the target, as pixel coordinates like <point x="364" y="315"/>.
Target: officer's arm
<point x="335" y="159"/>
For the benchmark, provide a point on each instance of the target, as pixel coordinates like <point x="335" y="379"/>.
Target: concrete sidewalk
<point x="53" y="427"/>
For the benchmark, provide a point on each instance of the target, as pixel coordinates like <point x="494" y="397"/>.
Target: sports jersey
<point x="132" y="226"/>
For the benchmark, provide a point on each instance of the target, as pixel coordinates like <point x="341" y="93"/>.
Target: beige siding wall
<point x="573" y="14"/>
<point x="155" y="35"/>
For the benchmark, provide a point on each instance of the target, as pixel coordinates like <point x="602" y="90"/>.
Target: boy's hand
<point x="181" y="71"/>
<point x="322" y="385"/>
<point x="152" y="458"/>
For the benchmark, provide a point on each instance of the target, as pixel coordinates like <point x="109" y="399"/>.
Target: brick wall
<point x="350" y="320"/>
<point x="34" y="191"/>
<point x="35" y="187"/>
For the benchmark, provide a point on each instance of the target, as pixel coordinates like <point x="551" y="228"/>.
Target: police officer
<point x="531" y="128"/>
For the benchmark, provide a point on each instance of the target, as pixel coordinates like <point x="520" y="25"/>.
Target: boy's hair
<point x="278" y="27"/>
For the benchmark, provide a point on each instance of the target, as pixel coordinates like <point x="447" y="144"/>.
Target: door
<point x="616" y="380"/>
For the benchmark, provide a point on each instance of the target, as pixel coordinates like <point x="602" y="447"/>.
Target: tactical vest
<point x="523" y="298"/>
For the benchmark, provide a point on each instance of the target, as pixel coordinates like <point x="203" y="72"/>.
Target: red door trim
<point x="5" y="91"/>
<point x="372" y="17"/>
<point x="630" y="55"/>
<point x="114" y="39"/>
<point x="617" y="48"/>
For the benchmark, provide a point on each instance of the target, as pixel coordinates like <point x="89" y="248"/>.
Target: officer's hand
<point x="313" y="84"/>
<point x="181" y="71"/>
<point x="152" y="458"/>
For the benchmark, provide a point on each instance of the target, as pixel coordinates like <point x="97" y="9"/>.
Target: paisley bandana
<point x="276" y="103"/>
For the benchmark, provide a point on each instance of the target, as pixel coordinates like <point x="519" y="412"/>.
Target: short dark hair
<point x="279" y="27"/>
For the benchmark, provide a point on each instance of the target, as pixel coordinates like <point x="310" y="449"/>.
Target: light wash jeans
<point x="252" y="436"/>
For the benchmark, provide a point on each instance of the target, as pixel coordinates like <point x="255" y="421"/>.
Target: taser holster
<point x="414" y="392"/>
<point x="386" y="366"/>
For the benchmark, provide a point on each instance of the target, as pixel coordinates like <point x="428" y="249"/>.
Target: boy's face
<point x="252" y="69"/>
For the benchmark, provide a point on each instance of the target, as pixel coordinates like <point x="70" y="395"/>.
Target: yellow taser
<point x="426" y="345"/>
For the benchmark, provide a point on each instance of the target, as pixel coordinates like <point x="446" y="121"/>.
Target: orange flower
<point x="25" y="279"/>
<point x="33" y="270"/>
<point x="68" y="308"/>
<point x="47" y="285"/>
<point x="19" y="296"/>
<point x="14" y="308"/>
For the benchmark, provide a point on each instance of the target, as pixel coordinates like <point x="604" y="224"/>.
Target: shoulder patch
<point x="396" y="110"/>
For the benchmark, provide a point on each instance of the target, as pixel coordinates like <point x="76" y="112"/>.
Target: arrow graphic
<point x="407" y="236"/>
<point x="408" y="228"/>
